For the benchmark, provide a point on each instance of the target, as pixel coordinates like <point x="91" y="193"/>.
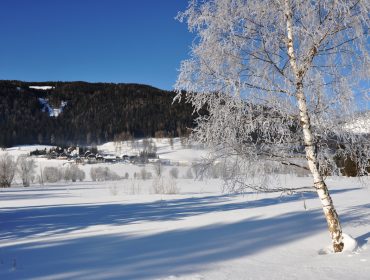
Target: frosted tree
<point x="279" y="79"/>
<point x="26" y="170"/>
<point x="7" y="170"/>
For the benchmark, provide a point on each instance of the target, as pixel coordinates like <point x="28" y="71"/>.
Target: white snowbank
<point x="350" y="244"/>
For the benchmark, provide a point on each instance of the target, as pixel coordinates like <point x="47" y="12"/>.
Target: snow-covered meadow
<point x="124" y="230"/>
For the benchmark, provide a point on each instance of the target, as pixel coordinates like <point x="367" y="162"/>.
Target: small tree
<point x="26" y="170"/>
<point x="158" y="169"/>
<point x="7" y="170"/>
<point x="278" y="79"/>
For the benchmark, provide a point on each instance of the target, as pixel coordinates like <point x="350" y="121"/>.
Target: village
<point x="91" y="155"/>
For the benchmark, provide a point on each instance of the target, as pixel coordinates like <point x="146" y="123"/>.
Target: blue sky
<point x="128" y="41"/>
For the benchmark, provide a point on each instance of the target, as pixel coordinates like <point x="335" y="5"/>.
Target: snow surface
<point x="121" y="230"/>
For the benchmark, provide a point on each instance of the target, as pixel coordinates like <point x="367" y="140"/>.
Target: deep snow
<point x="121" y="230"/>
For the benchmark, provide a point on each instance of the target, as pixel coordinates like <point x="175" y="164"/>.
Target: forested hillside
<point x="94" y="113"/>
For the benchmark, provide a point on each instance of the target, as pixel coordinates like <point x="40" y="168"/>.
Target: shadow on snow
<point x="123" y="256"/>
<point x="23" y="222"/>
<point x="119" y="256"/>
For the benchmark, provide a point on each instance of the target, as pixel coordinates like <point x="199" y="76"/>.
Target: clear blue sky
<point x="128" y="41"/>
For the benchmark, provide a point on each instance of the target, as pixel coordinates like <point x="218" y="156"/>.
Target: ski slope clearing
<point x="42" y="87"/>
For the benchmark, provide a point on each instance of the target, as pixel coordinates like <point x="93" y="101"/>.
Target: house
<point x="99" y="158"/>
<point x="53" y="155"/>
<point x="91" y="158"/>
<point x="110" y="158"/>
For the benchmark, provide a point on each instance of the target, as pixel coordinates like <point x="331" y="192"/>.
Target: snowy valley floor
<point x="92" y="230"/>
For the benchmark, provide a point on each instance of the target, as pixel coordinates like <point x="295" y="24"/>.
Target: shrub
<point x="74" y="173"/>
<point x="165" y="186"/>
<point x="103" y="174"/>
<point x="7" y="170"/>
<point x="157" y="168"/>
<point x="52" y="174"/>
<point x="26" y="170"/>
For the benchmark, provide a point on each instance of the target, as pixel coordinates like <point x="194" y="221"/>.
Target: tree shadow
<point x="363" y="239"/>
<point x="45" y="191"/>
<point x="356" y="216"/>
<point x="25" y="222"/>
<point x="121" y="256"/>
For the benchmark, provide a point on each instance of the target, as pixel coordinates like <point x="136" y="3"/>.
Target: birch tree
<point x="279" y="79"/>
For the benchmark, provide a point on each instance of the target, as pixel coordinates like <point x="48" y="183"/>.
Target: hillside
<point x="83" y="113"/>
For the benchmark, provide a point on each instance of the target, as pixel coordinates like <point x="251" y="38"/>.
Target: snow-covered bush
<point x="171" y="186"/>
<point x="103" y="174"/>
<point x="157" y="168"/>
<point x="158" y="185"/>
<point x="7" y="170"/>
<point x="52" y="174"/>
<point x="26" y="170"/>
<point x="93" y="173"/>
<point x="74" y="173"/>
<point x="163" y="185"/>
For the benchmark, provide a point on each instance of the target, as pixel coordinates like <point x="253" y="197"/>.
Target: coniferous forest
<point x="94" y="113"/>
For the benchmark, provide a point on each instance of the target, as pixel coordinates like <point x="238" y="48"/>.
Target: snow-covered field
<point x="122" y="230"/>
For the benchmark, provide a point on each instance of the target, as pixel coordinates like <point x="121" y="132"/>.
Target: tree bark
<point x="311" y="154"/>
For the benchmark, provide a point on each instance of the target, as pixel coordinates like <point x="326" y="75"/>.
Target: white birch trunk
<point x="311" y="155"/>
